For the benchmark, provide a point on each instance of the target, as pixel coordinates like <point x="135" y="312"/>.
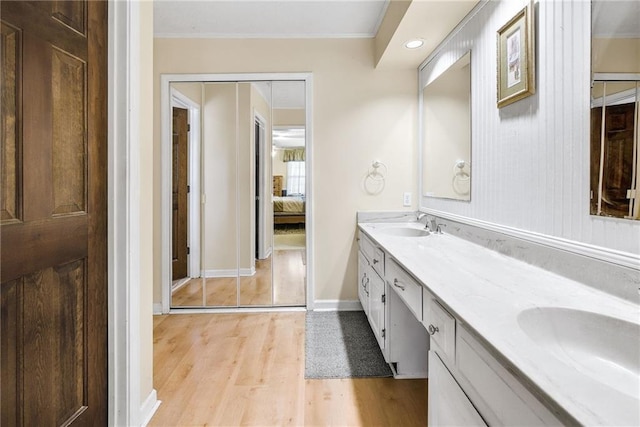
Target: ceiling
<point x="268" y="18"/>
<point x="615" y="18"/>
<point x="390" y="23"/>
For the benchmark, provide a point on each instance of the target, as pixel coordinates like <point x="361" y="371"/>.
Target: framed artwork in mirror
<point x="516" y="58"/>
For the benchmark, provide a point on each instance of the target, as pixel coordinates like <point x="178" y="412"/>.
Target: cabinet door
<point x="376" y="307"/>
<point x="448" y="405"/>
<point x="363" y="282"/>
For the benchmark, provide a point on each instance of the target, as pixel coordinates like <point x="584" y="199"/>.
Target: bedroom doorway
<point x="243" y="264"/>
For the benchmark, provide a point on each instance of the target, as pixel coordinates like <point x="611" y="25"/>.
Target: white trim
<point x="262" y="218"/>
<point x="199" y="35"/>
<point x="157" y="308"/>
<point x="309" y="222"/>
<point x="165" y="155"/>
<point x="223" y="310"/>
<point x="179" y="283"/>
<point x="149" y="408"/>
<point x="337" y="305"/>
<point x="118" y="223"/>
<point x="231" y="272"/>
<point x="178" y="99"/>
<point x="624" y="259"/>
<point x="625" y="97"/>
<point x="616" y="77"/>
<point x="124" y="240"/>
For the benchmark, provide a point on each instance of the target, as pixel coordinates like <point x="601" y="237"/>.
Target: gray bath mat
<point x="341" y="344"/>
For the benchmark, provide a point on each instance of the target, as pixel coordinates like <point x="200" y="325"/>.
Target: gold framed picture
<point x="516" y="58"/>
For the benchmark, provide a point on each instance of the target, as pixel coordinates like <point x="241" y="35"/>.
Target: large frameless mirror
<point x="446" y="129"/>
<point x="615" y="112"/>
<point x="238" y="194"/>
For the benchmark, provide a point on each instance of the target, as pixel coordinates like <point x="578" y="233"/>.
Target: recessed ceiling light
<point x="414" y="44"/>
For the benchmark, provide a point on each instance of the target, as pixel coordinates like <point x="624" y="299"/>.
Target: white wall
<point x="531" y="158"/>
<point x="360" y="114"/>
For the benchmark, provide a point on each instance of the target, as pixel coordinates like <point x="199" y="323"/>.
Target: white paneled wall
<point x="530" y="160"/>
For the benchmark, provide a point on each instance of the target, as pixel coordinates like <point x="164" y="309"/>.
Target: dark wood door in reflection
<point x="617" y="165"/>
<point x="179" y="210"/>
<point x="53" y="213"/>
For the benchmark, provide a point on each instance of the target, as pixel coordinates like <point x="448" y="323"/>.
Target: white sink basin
<point x="405" y="231"/>
<point x="602" y="347"/>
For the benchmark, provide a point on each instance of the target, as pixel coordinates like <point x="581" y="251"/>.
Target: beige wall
<point x="289" y="117"/>
<point x="616" y="55"/>
<point x="193" y="91"/>
<point x="219" y="178"/>
<point x="360" y="114"/>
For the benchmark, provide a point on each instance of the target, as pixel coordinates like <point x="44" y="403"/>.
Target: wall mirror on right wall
<point x="445" y="126"/>
<point x="615" y="109"/>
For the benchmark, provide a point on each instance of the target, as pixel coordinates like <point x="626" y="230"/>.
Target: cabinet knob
<point x="432" y="329"/>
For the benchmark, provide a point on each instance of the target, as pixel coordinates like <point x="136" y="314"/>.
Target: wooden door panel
<point x="68" y="123"/>
<point x="53" y="253"/>
<point x="10" y="346"/>
<point x="54" y="344"/>
<point x="180" y="197"/>
<point x="10" y="150"/>
<point x="70" y="13"/>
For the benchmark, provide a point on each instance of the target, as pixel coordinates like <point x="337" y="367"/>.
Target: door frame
<point x="263" y="249"/>
<point x="179" y="100"/>
<point x="166" y="155"/>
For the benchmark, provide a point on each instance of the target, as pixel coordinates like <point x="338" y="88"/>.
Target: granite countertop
<point x="487" y="291"/>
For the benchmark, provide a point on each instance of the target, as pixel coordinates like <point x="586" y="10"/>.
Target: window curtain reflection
<point x="295" y="155"/>
<point x="295" y="177"/>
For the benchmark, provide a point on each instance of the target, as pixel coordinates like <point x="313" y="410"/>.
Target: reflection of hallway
<point x="288" y="285"/>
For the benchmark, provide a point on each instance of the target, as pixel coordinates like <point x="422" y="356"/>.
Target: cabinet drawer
<point x="441" y="326"/>
<point x="377" y="262"/>
<point x="406" y="287"/>
<point x="500" y="397"/>
<point x="366" y="246"/>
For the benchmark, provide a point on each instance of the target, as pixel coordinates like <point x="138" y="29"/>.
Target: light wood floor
<point x="285" y="287"/>
<point x="248" y="369"/>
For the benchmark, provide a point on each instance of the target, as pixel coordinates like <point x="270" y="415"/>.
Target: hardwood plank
<point x="281" y="283"/>
<point x="248" y="369"/>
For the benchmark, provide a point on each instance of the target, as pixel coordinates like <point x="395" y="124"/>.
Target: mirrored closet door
<point x="242" y="231"/>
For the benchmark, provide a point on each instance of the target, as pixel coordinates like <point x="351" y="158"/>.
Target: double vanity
<point x="502" y="342"/>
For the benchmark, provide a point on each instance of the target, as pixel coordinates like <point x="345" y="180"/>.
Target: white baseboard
<point x="232" y="272"/>
<point x="149" y="408"/>
<point x="157" y="308"/>
<point x="336" y="305"/>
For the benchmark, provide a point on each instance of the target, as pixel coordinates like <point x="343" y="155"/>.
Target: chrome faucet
<point x="419" y="216"/>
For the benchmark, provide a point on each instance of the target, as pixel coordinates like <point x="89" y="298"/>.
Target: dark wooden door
<point x="179" y="213"/>
<point x="53" y="230"/>
<point x="617" y="174"/>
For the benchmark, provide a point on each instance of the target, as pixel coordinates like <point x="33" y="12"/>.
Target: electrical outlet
<point x="406" y="199"/>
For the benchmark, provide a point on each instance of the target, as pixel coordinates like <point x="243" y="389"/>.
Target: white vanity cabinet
<point x="364" y="281"/>
<point x="371" y="288"/>
<point x="467" y="383"/>
<point x="392" y="300"/>
<point x="449" y="406"/>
